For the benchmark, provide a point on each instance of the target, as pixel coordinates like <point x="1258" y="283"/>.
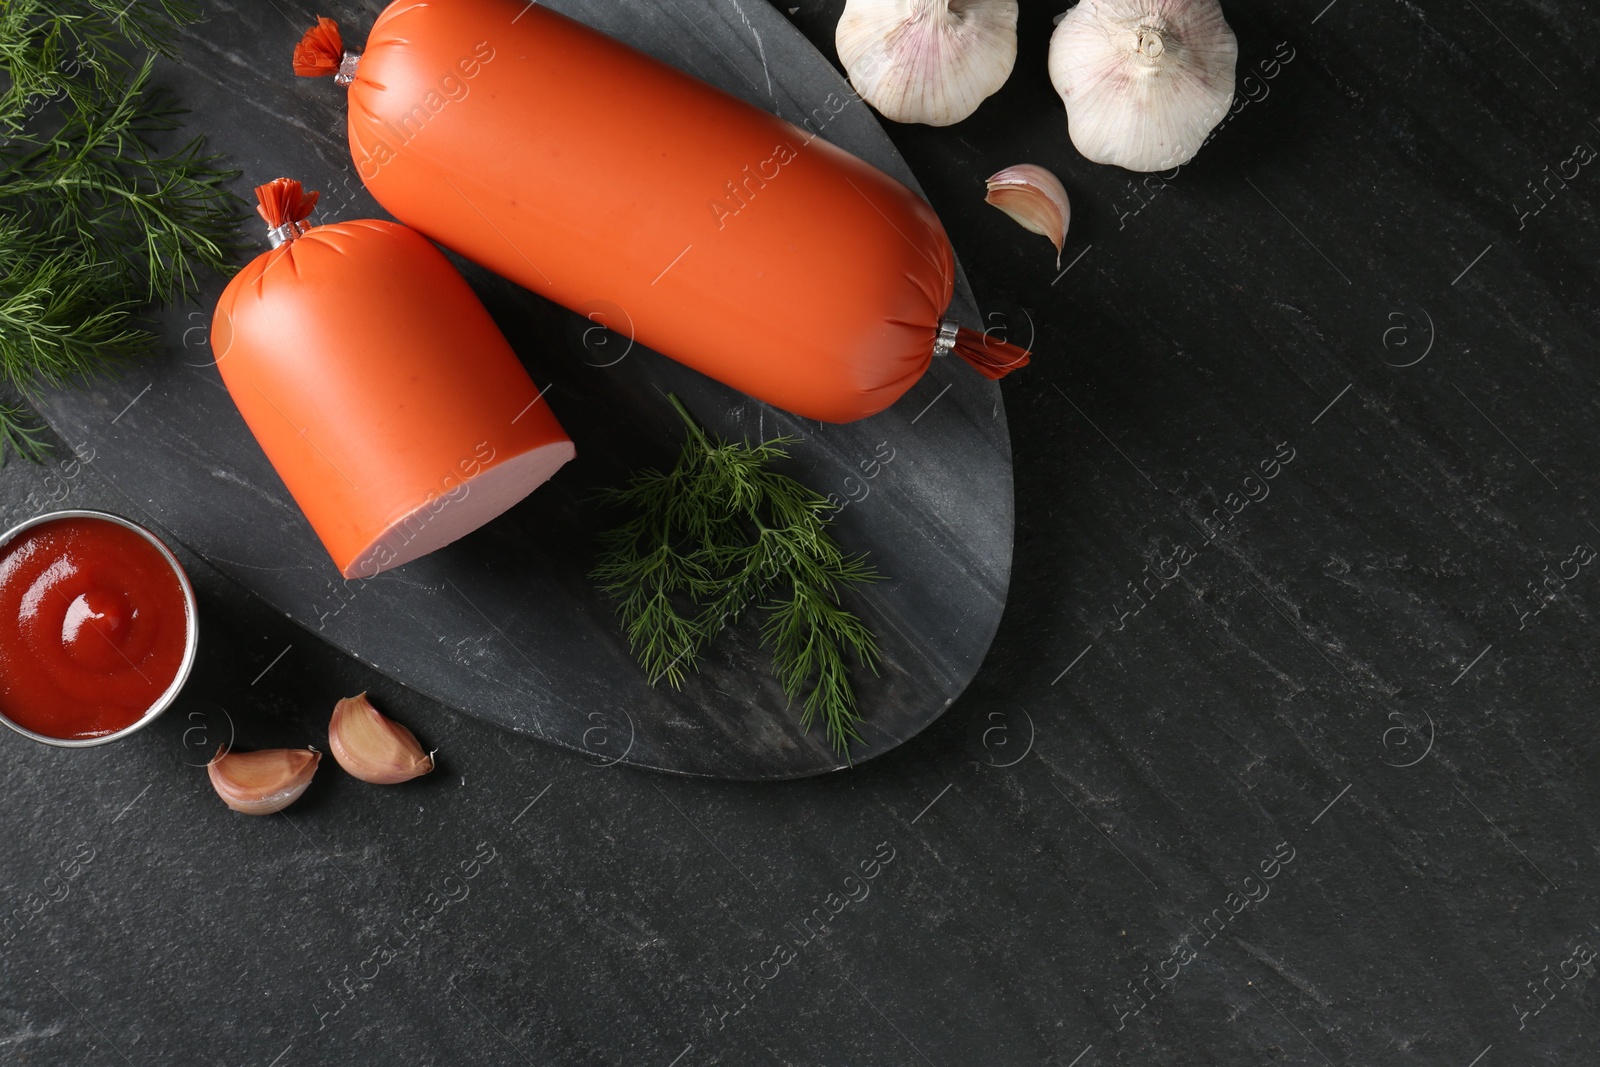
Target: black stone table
<point x="1282" y="755"/>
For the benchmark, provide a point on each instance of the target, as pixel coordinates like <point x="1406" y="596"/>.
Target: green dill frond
<point x="96" y="223"/>
<point x="55" y="325"/>
<point x="722" y="533"/>
<point x="79" y="49"/>
<point x="21" y="433"/>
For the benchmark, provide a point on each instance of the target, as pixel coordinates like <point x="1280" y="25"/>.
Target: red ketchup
<point x="101" y="628"/>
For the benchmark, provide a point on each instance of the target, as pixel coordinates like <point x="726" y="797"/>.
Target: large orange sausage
<point x="386" y="398"/>
<point x="733" y="241"/>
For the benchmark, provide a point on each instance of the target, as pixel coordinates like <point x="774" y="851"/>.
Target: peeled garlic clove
<point x="373" y="747"/>
<point x="260" y="783"/>
<point x="1034" y="197"/>
<point x="929" y="61"/>
<point x="1144" y="81"/>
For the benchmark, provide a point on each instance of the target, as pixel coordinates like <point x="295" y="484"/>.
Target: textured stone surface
<point x="1306" y="655"/>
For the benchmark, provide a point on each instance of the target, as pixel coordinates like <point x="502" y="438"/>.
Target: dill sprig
<point x="718" y="534"/>
<point x="96" y="222"/>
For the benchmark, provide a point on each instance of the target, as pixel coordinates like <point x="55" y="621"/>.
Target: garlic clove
<point x="928" y="61"/>
<point x="373" y="747"/>
<point x="1035" y="198"/>
<point x="260" y="783"/>
<point x="1144" y="81"/>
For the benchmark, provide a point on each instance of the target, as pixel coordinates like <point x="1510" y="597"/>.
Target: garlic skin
<point x="1034" y="197"/>
<point x="373" y="747"/>
<point x="928" y="61"/>
<point x="261" y="783"/>
<point x="1144" y="81"/>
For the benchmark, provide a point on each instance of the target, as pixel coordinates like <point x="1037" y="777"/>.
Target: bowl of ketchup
<point x="97" y="628"/>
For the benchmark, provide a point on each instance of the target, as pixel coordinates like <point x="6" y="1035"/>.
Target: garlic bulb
<point x="260" y="783"/>
<point x="1034" y="197"/>
<point x="1144" y="81"/>
<point x="929" y="61"/>
<point x="373" y="747"/>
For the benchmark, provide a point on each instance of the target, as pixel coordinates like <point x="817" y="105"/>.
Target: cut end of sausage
<point x="475" y="502"/>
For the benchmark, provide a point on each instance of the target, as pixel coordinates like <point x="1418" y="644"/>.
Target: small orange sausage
<point x="374" y="380"/>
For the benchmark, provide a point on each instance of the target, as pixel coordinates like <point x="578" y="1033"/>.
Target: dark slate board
<point x="504" y="623"/>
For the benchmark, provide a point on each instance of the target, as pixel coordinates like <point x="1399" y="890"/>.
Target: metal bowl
<point x="191" y="642"/>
